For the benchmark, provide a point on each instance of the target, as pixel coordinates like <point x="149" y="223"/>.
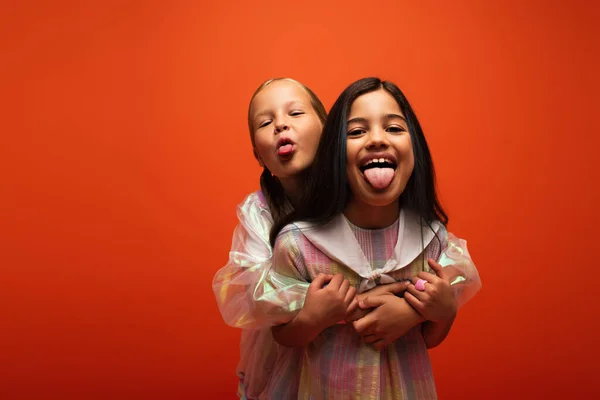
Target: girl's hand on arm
<point x="391" y="319"/>
<point x="355" y="312"/>
<point x="323" y="307"/>
<point x="396" y="288"/>
<point x="436" y="303"/>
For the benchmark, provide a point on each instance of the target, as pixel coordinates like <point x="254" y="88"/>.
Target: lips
<point x="285" y="147"/>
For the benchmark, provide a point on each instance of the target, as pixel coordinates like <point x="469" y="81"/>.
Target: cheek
<point x="352" y="149"/>
<point x="262" y="149"/>
<point x="310" y="140"/>
<point x="408" y="162"/>
<point x="407" y="153"/>
<point x="261" y="140"/>
<point x="351" y="159"/>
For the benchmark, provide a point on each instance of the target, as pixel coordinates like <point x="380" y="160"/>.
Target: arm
<point x="391" y="319"/>
<point x="303" y="329"/>
<point x="455" y="282"/>
<point x="297" y="333"/>
<point x="434" y="332"/>
<point x="436" y="303"/>
<point x="357" y="313"/>
<point x="394" y="316"/>
<point x="325" y="305"/>
<point x="244" y="294"/>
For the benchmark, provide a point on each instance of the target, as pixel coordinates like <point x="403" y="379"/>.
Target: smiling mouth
<point x="379" y="172"/>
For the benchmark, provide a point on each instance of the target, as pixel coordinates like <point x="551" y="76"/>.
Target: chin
<point x="292" y="168"/>
<point x="380" y="200"/>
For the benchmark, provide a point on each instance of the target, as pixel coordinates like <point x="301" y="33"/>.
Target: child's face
<point x="380" y="156"/>
<point x="286" y="129"/>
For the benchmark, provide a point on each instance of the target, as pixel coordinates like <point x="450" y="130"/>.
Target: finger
<point x="414" y="302"/>
<point x="351" y="296"/>
<point x="352" y="306"/>
<point x="336" y="282"/>
<point x="344" y="286"/>
<point x="372" y="301"/>
<point x="380" y="344"/>
<point x="360" y="297"/>
<point x="431" y="278"/>
<point x="363" y="325"/>
<point x="452" y="272"/>
<point x="437" y="268"/>
<point x="351" y="317"/>
<point x="356" y="315"/>
<point x="319" y="281"/>
<point x="397" y="287"/>
<point x="419" y="295"/>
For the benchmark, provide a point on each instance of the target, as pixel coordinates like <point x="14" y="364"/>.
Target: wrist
<point x="417" y="317"/>
<point x="447" y="319"/>
<point x="308" y="321"/>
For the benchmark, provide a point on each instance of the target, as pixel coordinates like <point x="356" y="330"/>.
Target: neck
<point x="367" y="216"/>
<point x="291" y="187"/>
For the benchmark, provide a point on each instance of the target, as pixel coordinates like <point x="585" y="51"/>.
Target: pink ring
<point x="420" y="285"/>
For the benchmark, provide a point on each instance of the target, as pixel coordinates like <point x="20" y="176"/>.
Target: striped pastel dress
<point x="338" y="365"/>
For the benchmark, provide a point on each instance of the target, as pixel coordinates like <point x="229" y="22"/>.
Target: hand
<point x="354" y="312"/>
<point x="390" y="288"/>
<point x="392" y="318"/>
<point x="436" y="302"/>
<point x="326" y="306"/>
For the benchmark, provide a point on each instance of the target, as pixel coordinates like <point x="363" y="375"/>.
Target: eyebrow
<point x="288" y="104"/>
<point x="357" y="120"/>
<point x="392" y="116"/>
<point x="360" y="120"/>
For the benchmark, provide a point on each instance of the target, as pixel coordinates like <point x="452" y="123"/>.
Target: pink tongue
<point x="379" y="178"/>
<point x="285" y="150"/>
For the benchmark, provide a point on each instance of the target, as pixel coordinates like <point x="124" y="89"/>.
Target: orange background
<point x="124" y="151"/>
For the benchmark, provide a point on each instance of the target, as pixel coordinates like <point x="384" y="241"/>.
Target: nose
<point x="281" y="125"/>
<point x="377" y="139"/>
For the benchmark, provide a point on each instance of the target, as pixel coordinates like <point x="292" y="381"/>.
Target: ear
<point x="257" y="156"/>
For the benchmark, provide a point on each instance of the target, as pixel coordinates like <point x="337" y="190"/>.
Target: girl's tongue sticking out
<point x="379" y="173"/>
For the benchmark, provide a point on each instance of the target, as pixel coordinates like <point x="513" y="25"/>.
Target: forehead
<point x="277" y="94"/>
<point x="376" y="103"/>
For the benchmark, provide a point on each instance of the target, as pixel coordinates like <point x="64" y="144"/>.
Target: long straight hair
<point x="327" y="192"/>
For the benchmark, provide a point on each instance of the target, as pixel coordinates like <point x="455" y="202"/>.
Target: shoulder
<point x="254" y="215"/>
<point x="255" y="204"/>
<point x="255" y="200"/>
<point x="442" y="232"/>
<point x="289" y="234"/>
<point x="291" y="239"/>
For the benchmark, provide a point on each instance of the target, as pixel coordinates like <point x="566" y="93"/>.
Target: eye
<point x="356" y="132"/>
<point x="265" y="123"/>
<point x="296" y="113"/>
<point x="395" y="129"/>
